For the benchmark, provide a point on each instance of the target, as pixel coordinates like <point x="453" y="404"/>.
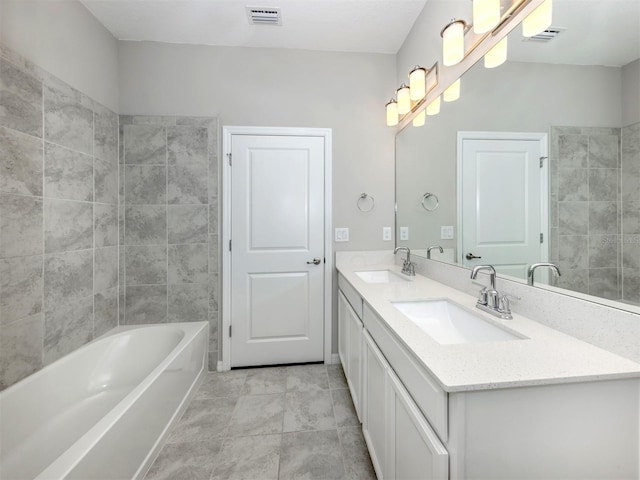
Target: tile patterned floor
<point x="294" y="422"/>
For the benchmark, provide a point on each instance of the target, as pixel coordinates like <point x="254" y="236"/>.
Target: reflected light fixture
<point x="453" y="42"/>
<point x="452" y="93"/>
<point x="392" y="113"/>
<point x="434" y="107"/>
<point x="419" y="119"/>
<point x="403" y="96"/>
<point x="538" y="20"/>
<point x="497" y="55"/>
<point x="417" y="83"/>
<point x="486" y="15"/>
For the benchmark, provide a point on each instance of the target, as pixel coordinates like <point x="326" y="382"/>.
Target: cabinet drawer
<point x="354" y="299"/>
<point x="430" y="398"/>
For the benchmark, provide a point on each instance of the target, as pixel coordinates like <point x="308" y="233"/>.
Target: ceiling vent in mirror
<point x="545" y="36"/>
<point x="264" y="15"/>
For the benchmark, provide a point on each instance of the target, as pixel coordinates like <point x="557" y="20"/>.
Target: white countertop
<point x="545" y="357"/>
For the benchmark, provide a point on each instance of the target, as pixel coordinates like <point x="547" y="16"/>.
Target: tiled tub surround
<point x="268" y="423"/>
<point x="586" y="208"/>
<point x="169" y="215"/>
<point x="115" y="398"/>
<point x="630" y="191"/>
<point x="58" y="219"/>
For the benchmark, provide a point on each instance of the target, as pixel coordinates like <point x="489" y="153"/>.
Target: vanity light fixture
<point x="434" y="107"/>
<point x="417" y="83"/>
<point x="392" y="113"/>
<point x="497" y="55"/>
<point x="419" y="119"/>
<point x="403" y="95"/>
<point x="453" y="42"/>
<point x="486" y="15"/>
<point x="538" y="20"/>
<point x="452" y="93"/>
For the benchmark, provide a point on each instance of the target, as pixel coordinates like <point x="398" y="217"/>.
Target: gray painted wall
<point x="631" y="93"/>
<point x="65" y="39"/>
<point x="272" y="87"/>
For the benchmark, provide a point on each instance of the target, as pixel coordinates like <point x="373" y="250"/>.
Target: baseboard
<point x="219" y="366"/>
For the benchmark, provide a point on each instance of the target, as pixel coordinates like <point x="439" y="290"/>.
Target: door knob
<point x="315" y="261"/>
<point x="471" y="256"/>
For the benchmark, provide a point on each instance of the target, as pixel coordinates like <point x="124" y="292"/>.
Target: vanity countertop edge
<point x="545" y="357"/>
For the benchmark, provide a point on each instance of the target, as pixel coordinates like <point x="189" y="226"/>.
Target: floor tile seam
<point x="334" y="427"/>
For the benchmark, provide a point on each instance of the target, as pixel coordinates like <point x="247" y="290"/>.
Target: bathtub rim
<point x="70" y="458"/>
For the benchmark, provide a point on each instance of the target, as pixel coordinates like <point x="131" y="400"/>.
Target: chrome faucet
<point x="489" y="300"/>
<point x="433" y="247"/>
<point x="554" y="269"/>
<point x="408" y="268"/>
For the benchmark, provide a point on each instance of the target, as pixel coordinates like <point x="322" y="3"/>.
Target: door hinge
<point x="542" y="159"/>
<point x="229" y="157"/>
<point x="229" y="331"/>
<point x="542" y="238"/>
<point x="229" y="245"/>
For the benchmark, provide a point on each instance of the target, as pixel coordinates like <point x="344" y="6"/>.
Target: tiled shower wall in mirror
<point x="169" y="221"/>
<point x="58" y="218"/>
<point x="594" y="210"/>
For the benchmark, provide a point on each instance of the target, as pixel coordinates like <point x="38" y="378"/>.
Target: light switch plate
<point x="404" y="233"/>
<point x="386" y="233"/>
<point x="446" y="232"/>
<point x="342" y="234"/>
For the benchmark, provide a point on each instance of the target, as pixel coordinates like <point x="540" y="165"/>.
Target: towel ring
<point x="431" y="197"/>
<point x="362" y="200"/>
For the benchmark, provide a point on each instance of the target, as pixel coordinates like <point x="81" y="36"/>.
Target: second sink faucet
<point x="530" y="271"/>
<point x="433" y="247"/>
<point x="408" y="268"/>
<point x="489" y="299"/>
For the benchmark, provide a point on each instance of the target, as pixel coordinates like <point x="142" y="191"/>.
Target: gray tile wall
<point x="58" y="219"/>
<point x="585" y="208"/>
<point x="169" y="228"/>
<point x="630" y="190"/>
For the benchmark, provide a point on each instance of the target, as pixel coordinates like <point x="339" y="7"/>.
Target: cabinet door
<point x="343" y="330"/>
<point x="414" y="450"/>
<point x="354" y="354"/>
<point x="374" y="406"/>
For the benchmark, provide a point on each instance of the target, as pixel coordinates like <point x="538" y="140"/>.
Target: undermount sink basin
<point x="380" y="276"/>
<point x="449" y="323"/>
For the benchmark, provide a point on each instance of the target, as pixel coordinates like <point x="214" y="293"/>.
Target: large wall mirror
<point x="572" y="99"/>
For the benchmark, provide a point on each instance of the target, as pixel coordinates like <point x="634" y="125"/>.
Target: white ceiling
<point x="376" y="26"/>
<point x="598" y="32"/>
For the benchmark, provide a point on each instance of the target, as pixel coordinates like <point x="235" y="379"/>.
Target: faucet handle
<point x="482" y="296"/>
<point x="505" y="304"/>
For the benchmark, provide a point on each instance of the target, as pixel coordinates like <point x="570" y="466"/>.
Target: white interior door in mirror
<point x="277" y="230"/>
<point x="503" y="200"/>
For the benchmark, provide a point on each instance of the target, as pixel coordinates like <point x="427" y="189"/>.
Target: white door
<point x="503" y="200"/>
<point x="277" y="249"/>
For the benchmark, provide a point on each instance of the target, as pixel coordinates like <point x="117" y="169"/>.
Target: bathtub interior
<point x="45" y="414"/>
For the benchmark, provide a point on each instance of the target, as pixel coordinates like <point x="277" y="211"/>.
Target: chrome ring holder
<point x="362" y="200"/>
<point x="428" y="196"/>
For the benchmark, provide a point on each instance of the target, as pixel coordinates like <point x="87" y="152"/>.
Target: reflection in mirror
<point x="579" y="95"/>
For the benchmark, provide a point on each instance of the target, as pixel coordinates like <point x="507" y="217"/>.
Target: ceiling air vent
<point x="546" y="36"/>
<point x="264" y="16"/>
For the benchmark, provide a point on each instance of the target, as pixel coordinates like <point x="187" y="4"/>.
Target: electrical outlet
<point x="386" y="233"/>
<point x="342" y="235"/>
<point x="404" y="233"/>
<point x="446" y="232"/>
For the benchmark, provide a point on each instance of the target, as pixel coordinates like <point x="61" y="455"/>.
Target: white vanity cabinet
<point x="534" y="432"/>
<point x="374" y="405"/>
<point x="350" y="340"/>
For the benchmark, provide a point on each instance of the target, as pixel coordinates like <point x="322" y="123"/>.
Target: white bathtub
<point x="102" y="411"/>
